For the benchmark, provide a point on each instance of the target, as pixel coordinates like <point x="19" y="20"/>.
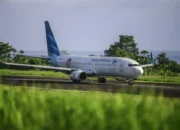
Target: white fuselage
<point x="102" y="66"/>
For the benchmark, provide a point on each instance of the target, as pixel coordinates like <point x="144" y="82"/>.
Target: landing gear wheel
<point x="76" y="81"/>
<point x="130" y="83"/>
<point x="101" y="80"/>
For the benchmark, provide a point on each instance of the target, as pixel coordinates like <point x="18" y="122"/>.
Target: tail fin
<point x="151" y="60"/>
<point x="53" y="51"/>
<point x="51" y="42"/>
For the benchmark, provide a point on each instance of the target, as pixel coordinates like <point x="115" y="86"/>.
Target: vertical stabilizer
<point x="151" y="60"/>
<point x="53" y="51"/>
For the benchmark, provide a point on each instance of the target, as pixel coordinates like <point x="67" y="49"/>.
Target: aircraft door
<point x="121" y="65"/>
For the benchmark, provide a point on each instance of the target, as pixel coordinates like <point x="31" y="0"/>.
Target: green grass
<point x="160" y="79"/>
<point x="153" y="79"/>
<point x="32" y="73"/>
<point x="32" y="109"/>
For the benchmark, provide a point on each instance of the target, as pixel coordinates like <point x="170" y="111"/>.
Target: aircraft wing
<point x="146" y="65"/>
<point x="42" y="67"/>
<point x="62" y="69"/>
<point x="151" y="62"/>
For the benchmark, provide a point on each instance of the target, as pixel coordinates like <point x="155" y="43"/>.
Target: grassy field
<point x="155" y="79"/>
<point x="160" y="79"/>
<point x="32" y="109"/>
<point x="32" y="73"/>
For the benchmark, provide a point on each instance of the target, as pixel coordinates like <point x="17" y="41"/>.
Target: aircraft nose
<point x="139" y="71"/>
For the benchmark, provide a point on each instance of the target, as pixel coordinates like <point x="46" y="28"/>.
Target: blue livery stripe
<point x="51" y="42"/>
<point x="53" y="51"/>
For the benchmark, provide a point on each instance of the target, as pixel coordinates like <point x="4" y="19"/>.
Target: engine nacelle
<point x="78" y="75"/>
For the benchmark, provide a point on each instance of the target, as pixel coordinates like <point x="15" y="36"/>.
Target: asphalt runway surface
<point x="167" y="90"/>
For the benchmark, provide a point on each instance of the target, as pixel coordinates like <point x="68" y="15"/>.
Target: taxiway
<point x="167" y="90"/>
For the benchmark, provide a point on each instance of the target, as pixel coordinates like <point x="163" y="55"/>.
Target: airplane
<point x="81" y="67"/>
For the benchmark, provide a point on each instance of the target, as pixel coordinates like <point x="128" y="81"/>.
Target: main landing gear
<point x="76" y="81"/>
<point x="101" y="80"/>
<point x="130" y="83"/>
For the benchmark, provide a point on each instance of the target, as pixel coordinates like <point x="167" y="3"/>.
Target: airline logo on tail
<point x="53" y="51"/>
<point x="51" y="42"/>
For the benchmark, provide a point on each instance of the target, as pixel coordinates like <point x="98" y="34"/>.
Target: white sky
<point x="90" y="25"/>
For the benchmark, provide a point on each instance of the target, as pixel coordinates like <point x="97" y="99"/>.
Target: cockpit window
<point x="130" y="65"/>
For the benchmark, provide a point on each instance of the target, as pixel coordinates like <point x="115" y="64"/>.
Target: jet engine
<point x="78" y="75"/>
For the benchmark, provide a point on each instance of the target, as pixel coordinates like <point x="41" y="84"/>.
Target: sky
<point x="90" y="25"/>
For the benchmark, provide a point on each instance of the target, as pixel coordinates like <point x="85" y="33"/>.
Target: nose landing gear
<point x="130" y="81"/>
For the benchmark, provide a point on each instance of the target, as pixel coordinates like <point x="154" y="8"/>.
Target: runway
<point x="167" y="90"/>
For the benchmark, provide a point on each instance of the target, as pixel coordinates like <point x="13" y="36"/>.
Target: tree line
<point x="125" y="47"/>
<point x="10" y="54"/>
